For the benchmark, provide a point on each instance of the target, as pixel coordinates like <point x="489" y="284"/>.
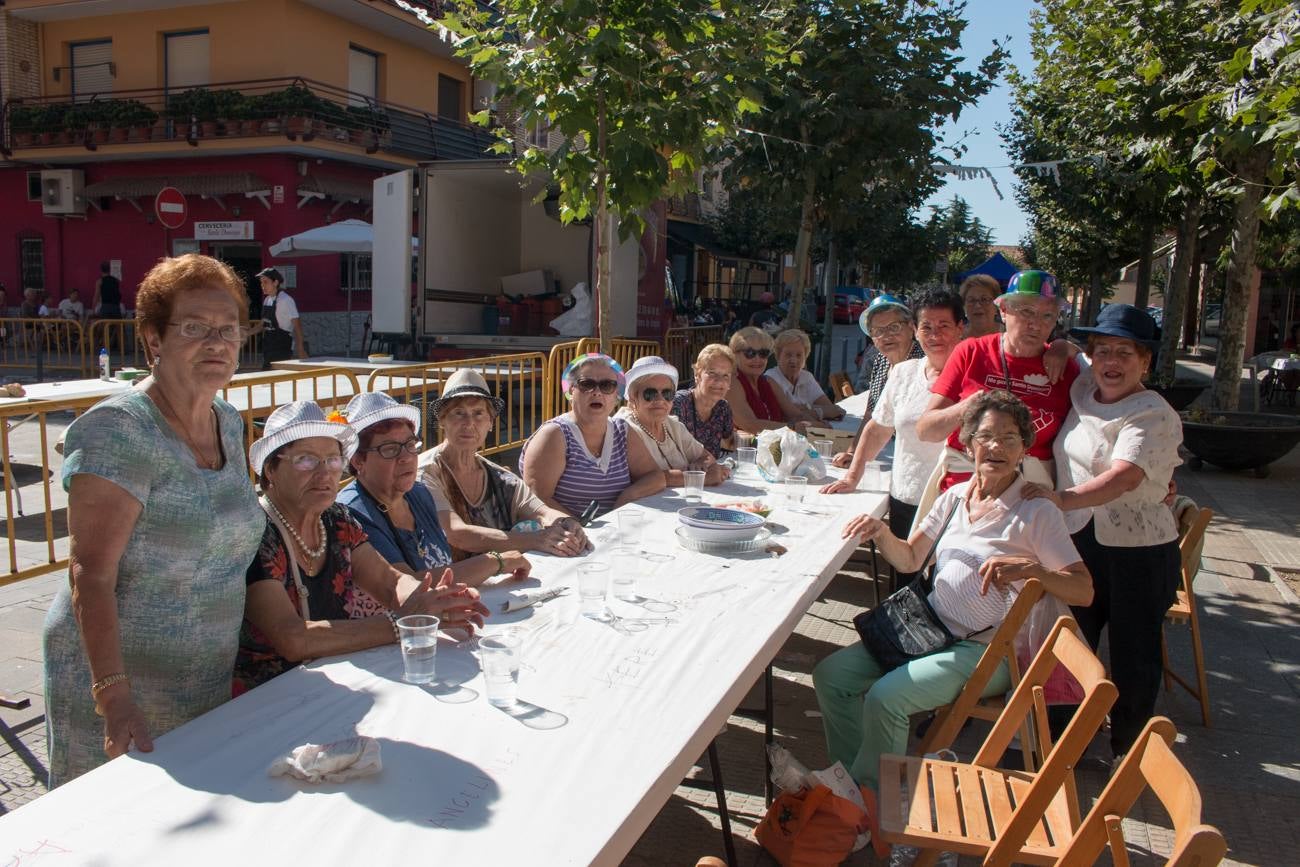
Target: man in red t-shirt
<point x="1013" y="361"/>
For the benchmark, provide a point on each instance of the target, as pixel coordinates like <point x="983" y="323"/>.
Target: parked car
<point x="847" y="309"/>
<point x="1212" y="314"/>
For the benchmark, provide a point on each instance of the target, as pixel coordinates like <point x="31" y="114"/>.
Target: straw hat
<point x="467" y="382"/>
<point x="295" y="421"/>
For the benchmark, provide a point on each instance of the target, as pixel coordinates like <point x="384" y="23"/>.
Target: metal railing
<point x="519" y="379"/>
<point x="257" y="395"/>
<point x="50" y="344"/>
<point x="293" y="107"/>
<point x="624" y="350"/>
<point x="682" y="346"/>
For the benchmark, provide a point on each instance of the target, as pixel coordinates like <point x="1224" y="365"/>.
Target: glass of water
<point x="825" y="448"/>
<point x="694" y="480"/>
<point x="630" y="522"/>
<point x="499" y="655"/>
<point x="795" y="487"/>
<point x="624" y="565"/>
<point x="746" y="466"/>
<point x="419" y="640"/>
<point x="593" y="579"/>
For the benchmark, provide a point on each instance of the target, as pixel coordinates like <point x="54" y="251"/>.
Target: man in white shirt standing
<point x="280" y="327"/>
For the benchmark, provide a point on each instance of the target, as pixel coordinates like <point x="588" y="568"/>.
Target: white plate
<point x="755" y="544"/>
<point x="719" y="534"/>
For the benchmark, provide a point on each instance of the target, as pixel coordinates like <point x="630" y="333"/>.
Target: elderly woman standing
<point x="792" y="348"/>
<point x="756" y="404"/>
<point x="585" y="456"/>
<point x="978" y="294"/>
<point x="703" y="408"/>
<point x="1115" y="457"/>
<point x="399" y="517"/>
<point x="163" y="522"/>
<point x="317" y="586"/>
<point x="987" y="539"/>
<point x="651" y="384"/>
<point x="1015" y="361"/>
<point x="484" y="506"/>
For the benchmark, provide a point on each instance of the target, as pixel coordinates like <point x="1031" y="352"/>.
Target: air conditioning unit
<point x="63" y="191"/>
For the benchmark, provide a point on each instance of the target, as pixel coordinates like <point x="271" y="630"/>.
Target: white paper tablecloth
<point x="465" y="782"/>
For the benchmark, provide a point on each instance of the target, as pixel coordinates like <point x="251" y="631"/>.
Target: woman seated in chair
<point x="792" y="348"/>
<point x="651" y="384"/>
<point x="987" y="539"/>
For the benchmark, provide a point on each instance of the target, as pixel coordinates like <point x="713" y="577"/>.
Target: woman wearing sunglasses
<point x="318" y="587"/>
<point x="651" y="385"/>
<point x="584" y="456"/>
<point x="400" y="517"/>
<point x="756" y="404"/>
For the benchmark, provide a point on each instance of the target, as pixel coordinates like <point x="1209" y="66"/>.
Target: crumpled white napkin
<point x="330" y="763"/>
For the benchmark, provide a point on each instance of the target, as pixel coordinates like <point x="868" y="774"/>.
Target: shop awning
<point x="338" y="189"/>
<point x="208" y="185"/>
<point x="697" y="235"/>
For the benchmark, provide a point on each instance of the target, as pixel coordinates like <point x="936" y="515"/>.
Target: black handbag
<point x="905" y="626"/>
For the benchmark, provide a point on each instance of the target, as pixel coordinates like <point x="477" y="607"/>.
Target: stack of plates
<point x="713" y="524"/>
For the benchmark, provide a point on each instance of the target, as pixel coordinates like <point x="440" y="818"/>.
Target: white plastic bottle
<point x="105" y="369"/>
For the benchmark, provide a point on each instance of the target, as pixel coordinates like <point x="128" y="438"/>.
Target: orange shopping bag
<point x="812" y="828"/>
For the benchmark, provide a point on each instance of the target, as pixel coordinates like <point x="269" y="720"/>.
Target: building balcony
<point x="237" y="117"/>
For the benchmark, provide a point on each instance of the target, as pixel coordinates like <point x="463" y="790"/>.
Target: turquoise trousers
<point x="865" y="711"/>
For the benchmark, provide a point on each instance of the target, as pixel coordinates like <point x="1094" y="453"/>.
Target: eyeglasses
<point x="1047" y="317"/>
<point x="309" y="463"/>
<point x="604" y="386"/>
<point x="650" y="395"/>
<point x="890" y="330"/>
<point x="194" y="330"/>
<point x="977" y="301"/>
<point x="756" y="353"/>
<point x="1005" y="441"/>
<point x="390" y="450"/>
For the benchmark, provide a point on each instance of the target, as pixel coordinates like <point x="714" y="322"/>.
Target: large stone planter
<point x="1240" y="440"/>
<point x="1180" y="395"/>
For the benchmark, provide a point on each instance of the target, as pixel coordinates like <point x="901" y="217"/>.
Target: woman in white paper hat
<point x="399" y="515"/>
<point x="651" y="386"/>
<point x="482" y="505"/>
<point x="317" y="586"/>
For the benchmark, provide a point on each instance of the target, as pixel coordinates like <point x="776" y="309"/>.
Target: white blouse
<point x="1141" y="429"/>
<point x="804" y="392"/>
<point x="906" y="395"/>
<point x="678" y="451"/>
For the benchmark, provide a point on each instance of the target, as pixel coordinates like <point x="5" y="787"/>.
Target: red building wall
<point x="74" y="246"/>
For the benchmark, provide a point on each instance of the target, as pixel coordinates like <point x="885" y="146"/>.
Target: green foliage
<point x="958" y="236"/>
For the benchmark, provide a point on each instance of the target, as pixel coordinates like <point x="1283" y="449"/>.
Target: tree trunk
<point x="802" y="246"/>
<point x="1142" y="292"/>
<point x="1095" y="289"/>
<point x="604" y="252"/>
<point x="1192" y="312"/>
<point x="829" y="280"/>
<point x="1226" y="391"/>
<point x="1176" y="299"/>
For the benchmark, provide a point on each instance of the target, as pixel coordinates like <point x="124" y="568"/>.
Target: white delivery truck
<point x="482" y="242"/>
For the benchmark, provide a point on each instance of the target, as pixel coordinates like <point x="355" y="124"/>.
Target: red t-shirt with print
<point x="976" y="365"/>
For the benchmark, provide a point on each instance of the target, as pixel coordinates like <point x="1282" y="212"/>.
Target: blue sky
<point x="989" y="20"/>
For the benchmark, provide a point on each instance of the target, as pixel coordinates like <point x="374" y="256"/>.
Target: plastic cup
<point x="825" y="448"/>
<point x="746" y="441"/>
<point x="624" y="567"/>
<point x="873" y="476"/>
<point x="746" y="458"/>
<point x="499" y="655"/>
<point x="593" y="579"/>
<point x="418" y="635"/>
<point x="630" y="522"/>
<point x="795" y="487"/>
<point x="694" y="485"/>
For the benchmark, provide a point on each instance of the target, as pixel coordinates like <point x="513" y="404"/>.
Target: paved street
<point x="1247" y="765"/>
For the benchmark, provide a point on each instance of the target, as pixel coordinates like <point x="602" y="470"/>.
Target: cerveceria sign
<point x="223" y="230"/>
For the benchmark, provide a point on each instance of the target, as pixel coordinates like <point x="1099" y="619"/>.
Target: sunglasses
<point x="604" y="386"/>
<point x="756" y="353"/>
<point x="650" y="395"/>
<point x="390" y="450"/>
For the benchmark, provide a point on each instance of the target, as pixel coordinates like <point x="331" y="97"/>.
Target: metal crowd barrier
<point x="624" y="350"/>
<point x="682" y="346"/>
<point x="256" y="395"/>
<point x="521" y="380"/>
<point x="48" y="344"/>
<point x="126" y="346"/>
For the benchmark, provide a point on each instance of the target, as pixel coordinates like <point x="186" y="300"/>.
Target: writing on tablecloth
<point x="627" y="670"/>
<point x="31" y="854"/>
<point x="470" y="803"/>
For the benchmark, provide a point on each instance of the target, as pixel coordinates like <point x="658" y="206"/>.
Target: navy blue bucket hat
<point x="1127" y="321"/>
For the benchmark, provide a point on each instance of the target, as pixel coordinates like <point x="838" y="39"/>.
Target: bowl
<point x="715" y="518"/>
<point x="379" y="358"/>
<point x="719" y="534"/>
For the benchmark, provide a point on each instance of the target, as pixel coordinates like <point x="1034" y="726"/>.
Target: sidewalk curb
<point x="1283" y="589"/>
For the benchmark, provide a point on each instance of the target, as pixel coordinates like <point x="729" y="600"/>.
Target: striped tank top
<point x="583" y="479"/>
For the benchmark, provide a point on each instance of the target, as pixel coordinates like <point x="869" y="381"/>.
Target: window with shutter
<point x="188" y="58"/>
<point x="363" y="76"/>
<point x="92" y="72"/>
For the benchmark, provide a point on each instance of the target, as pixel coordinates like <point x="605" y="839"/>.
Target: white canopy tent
<point x="346" y="236"/>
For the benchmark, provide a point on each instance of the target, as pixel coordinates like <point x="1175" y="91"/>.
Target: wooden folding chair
<point x="950" y="719"/>
<point x="1184" y="611"/>
<point x="1150" y="763"/>
<point x="841" y="385"/>
<point x="979" y="809"/>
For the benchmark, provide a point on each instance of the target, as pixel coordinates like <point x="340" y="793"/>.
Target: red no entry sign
<point x="171" y="208"/>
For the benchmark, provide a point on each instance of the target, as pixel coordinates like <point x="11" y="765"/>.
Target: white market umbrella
<point x="346" y="236"/>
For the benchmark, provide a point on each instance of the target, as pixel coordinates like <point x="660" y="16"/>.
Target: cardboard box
<point x="842" y="439"/>
<point x="527" y="283"/>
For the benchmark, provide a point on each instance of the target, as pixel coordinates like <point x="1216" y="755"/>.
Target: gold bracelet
<point x="105" y="682"/>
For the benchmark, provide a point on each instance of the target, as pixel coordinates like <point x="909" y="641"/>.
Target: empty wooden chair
<point x="1149" y="764"/>
<point x="1184" y="611"/>
<point x="979" y="809"/>
<point x="948" y="720"/>
<point x="841" y="386"/>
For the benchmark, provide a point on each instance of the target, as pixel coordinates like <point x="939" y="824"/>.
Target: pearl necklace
<point x="636" y="420"/>
<point x="312" y="553"/>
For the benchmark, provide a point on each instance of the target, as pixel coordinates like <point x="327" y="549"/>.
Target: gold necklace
<point x="200" y="458"/>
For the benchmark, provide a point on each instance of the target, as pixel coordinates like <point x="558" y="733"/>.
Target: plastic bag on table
<point x="1061" y="687"/>
<point x="782" y="453"/>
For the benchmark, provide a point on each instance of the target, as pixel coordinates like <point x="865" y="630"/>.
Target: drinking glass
<point x="746" y="441"/>
<point x="593" y="578"/>
<point x="630" y="522"/>
<point x="873" y="476"/>
<point x="499" y="655"/>
<point x="419" y="639"/>
<point x="746" y="466"/>
<point x="694" y="485"/>
<point x="795" y="486"/>
<point x="825" y="448"/>
<point x="625" y="564"/>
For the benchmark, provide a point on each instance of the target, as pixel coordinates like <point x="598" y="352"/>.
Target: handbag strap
<point x="935" y="547"/>
<point x="288" y="555"/>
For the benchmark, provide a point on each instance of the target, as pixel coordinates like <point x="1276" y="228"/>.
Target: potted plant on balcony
<point x="230" y="107"/>
<point x="23" y="123"/>
<point x="136" y="118"/>
<point x="264" y="112"/>
<point x="298" y="106"/>
<point x="367" y="125"/>
<point x="182" y="109"/>
<point x="89" y="119"/>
